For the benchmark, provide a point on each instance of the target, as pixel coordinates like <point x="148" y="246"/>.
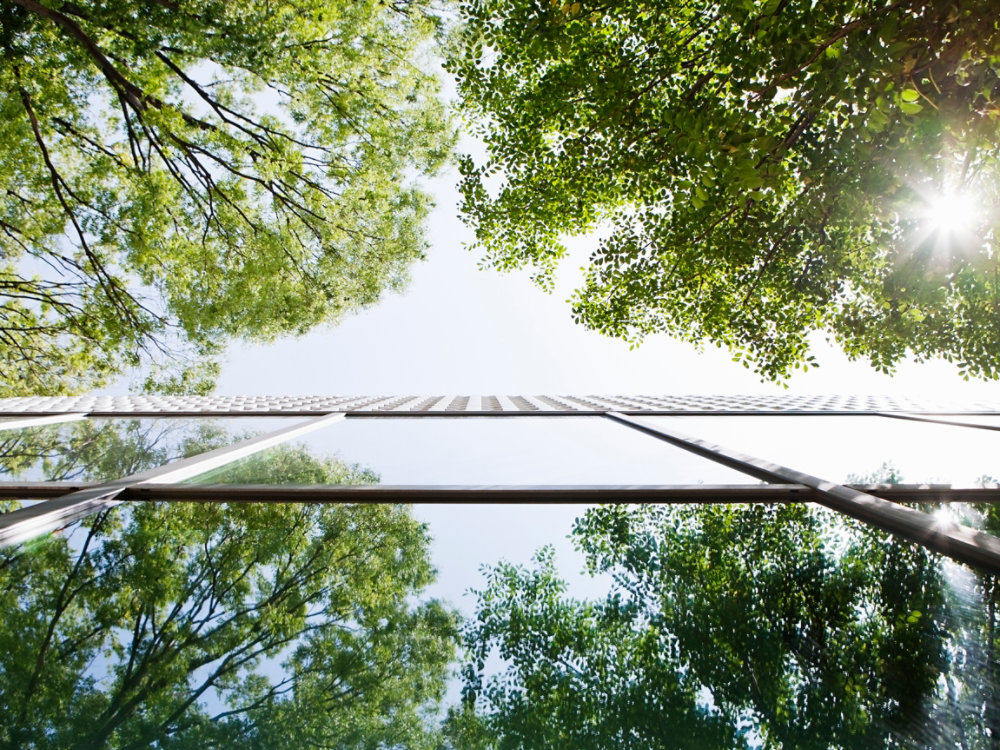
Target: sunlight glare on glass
<point x="945" y="516"/>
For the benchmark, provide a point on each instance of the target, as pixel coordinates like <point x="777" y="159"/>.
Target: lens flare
<point x="952" y="213"/>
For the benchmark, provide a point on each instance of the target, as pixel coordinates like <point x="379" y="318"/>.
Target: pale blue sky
<point x="459" y="329"/>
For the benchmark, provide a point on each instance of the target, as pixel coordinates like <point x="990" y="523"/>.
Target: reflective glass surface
<point x="857" y="449"/>
<point x="743" y="627"/>
<point x="486" y="450"/>
<point x="97" y="450"/>
<point x="711" y="627"/>
<point x="705" y="627"/>
<point x="8" y="505"/>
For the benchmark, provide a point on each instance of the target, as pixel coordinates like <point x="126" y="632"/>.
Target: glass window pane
<point x="483" y="450"/>
<point x="5" y="422"/>
<point x="98" y="450"/>
<point x="855" y="448"/>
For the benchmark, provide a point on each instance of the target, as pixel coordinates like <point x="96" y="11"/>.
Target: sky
<point x="459" y="329"/>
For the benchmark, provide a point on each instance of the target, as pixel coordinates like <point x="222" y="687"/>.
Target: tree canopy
<point x="758" y="170"/>
<point x="179" y="172"/>
<point x="202" y="625"/>
<point x="731" y="627"/>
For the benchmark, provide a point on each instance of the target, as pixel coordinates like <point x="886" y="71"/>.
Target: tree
<point x="725" y="626"/>
<point x="169" y="625"/>
<point x="986" y="684"/>
<point x="579" y="674"/>
<point x="976" y="687"/>
<point x="760" y="169"/>
<point x="176" y="173"/>
<point x="103" y="450"/>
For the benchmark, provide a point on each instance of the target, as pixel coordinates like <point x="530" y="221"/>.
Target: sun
<point x="952" y="213"/>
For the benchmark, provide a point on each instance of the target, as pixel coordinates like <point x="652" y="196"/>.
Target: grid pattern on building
<point x="125" y="405"/>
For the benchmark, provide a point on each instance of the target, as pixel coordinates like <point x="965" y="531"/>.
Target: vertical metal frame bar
<point x="958" y="542"/>
<point x="26" y="523"/>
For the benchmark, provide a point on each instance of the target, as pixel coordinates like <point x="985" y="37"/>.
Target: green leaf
<point x="187" y="208"/>
<point x="815" y="200"/>
<point x="305" y="596"/>
<point x="689" y="608"/>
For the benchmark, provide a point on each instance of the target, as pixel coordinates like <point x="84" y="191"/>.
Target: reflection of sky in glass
<point x="510" y="450"/>
<point x="551" y="450"/>
<point x="842" y="448"/>
<point x="98" y="450"/>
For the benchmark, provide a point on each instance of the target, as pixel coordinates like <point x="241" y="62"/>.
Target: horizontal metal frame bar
<point x="483" y="494"/>
<point x="473" y="494"/>
<point x="26" y="523"/>
<point x="958" y="542"/>
<point x="638" y="413"/>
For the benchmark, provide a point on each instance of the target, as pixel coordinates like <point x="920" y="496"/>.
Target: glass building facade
<point x="887" y="462"/>
<point x="781" y="625"/>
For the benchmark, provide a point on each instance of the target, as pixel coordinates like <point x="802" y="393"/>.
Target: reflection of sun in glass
<point x="945" y="516"/>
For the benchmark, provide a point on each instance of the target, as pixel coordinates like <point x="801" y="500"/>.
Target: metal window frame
<point x="948" y="538"/>
<point x="879" y="506"/>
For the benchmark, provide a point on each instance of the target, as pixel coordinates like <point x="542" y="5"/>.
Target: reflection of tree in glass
<point x="967" y="699"/>
<point x="205" y="625"/>
<point x="989" y="680"/>
<point x="276" y="465"/>
<point x="725" y="627"/>
<point x="104" y="450"/>
<point x="101" y="450"/>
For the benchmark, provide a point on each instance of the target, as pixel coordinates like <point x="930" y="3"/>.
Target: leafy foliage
<point x="169" y="625"/>
<point x="763" y="169"/>
<point x="725" y="627"/>
<point x="179" y="172"/>
<point x="101" y="450"/>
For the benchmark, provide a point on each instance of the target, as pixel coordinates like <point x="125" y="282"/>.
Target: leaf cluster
<point x="760" y="169"/>
<point x="725" y="626"/>
<point x="168" y="625"/>
<point x="176" y="174"/>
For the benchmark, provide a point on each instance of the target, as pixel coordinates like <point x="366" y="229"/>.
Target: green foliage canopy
<point x="178" y="172"/>
<point x="760" y="169"/>
<point x="725" y="627"/>
<point x="270" y="626"/>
